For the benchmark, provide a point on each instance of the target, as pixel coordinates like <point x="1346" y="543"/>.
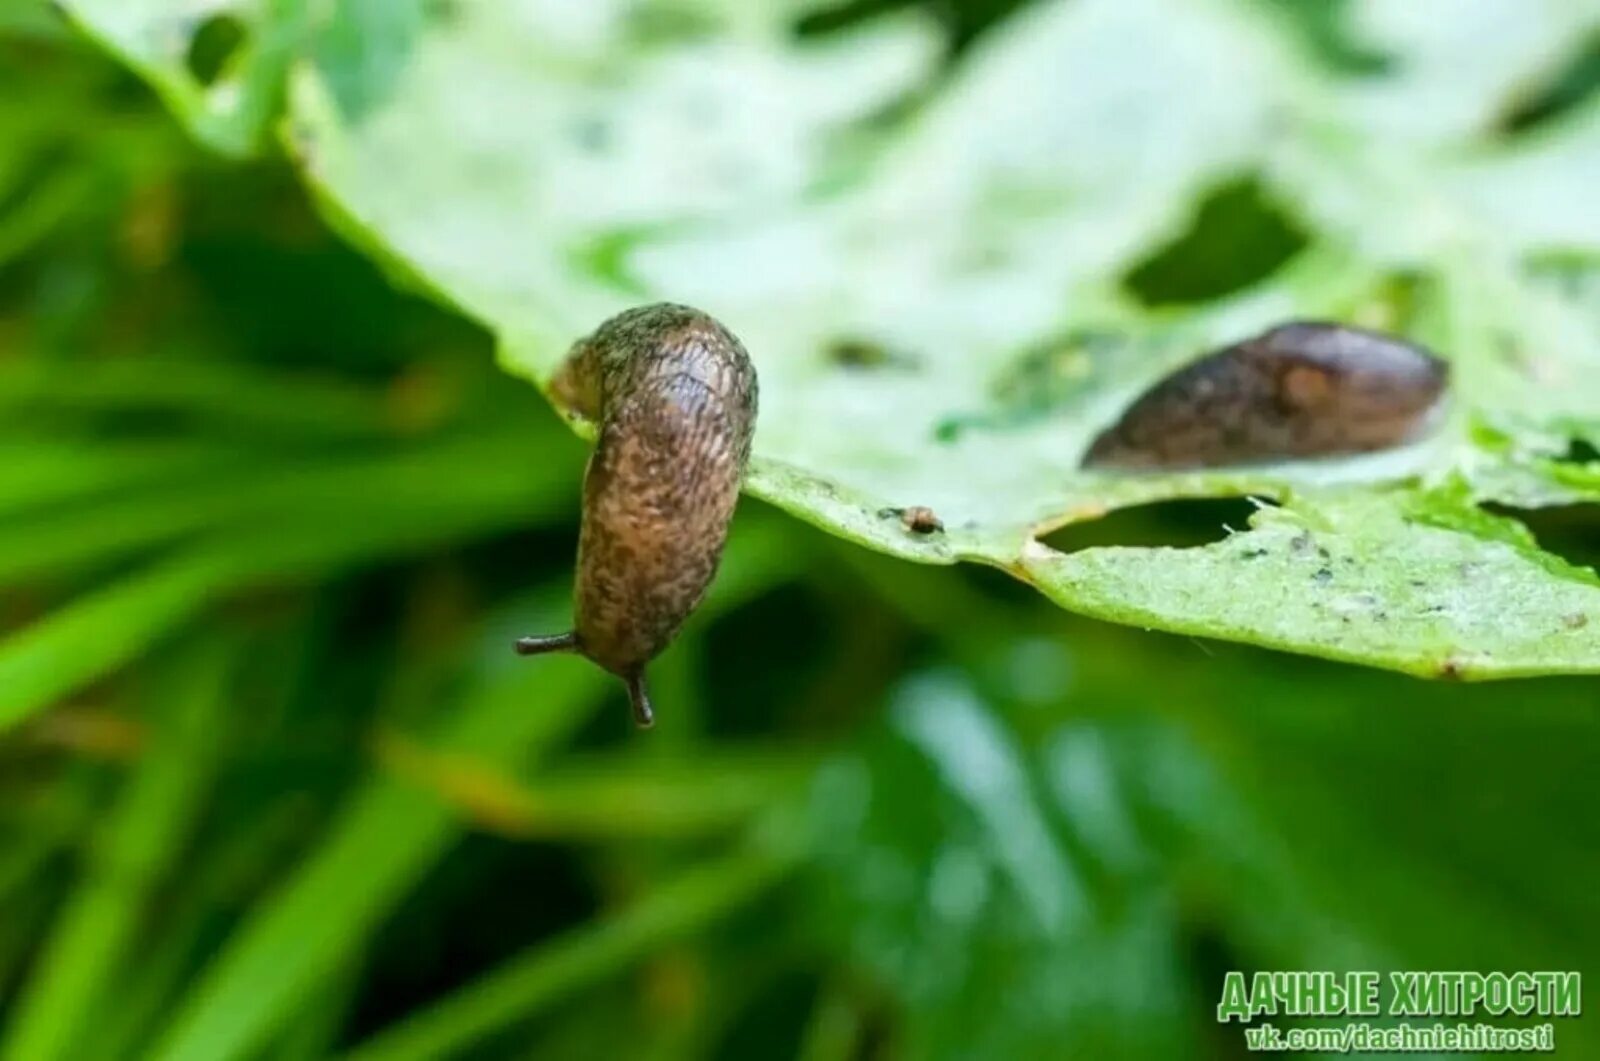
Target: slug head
<point x="644" y="715"/>
<point x="576" y="385"/>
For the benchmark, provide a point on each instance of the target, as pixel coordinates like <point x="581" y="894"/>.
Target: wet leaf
<point x="541" y="166"/>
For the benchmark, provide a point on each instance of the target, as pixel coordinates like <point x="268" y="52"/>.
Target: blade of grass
<point x="834" y="1031"/>
<point x="141" y="837"/>
<point x="95" y="634"/>
<point x="209" y="895"/>
<point x="98" y="633"/>
<point x="463" y="481"/>
<point x="41" y="211"/>
<point x="55" y="823"/>
<point x="627" y="796"/>
<point x="385" y="839"/>
<point x="20" y="931"/>
<point x="390" y="832"/>
<point x="212" y="391"/>
<point x="316" y="1028"/>
<point x="162" y="969"/>
<point x="549" y="972"/>
<point x="52" y="828"/>
<point x="39" y="472"/>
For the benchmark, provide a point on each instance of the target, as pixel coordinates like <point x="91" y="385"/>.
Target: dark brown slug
<point x="675" y="397"/>
<point x="1301" y="390"/>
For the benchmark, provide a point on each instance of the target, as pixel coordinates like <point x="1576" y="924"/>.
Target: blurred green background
<point x="272" y="784"/>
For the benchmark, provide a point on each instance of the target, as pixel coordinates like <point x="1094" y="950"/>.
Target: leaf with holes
<point x="952" y="278"/>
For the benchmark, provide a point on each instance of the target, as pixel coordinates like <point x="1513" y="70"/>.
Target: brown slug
<point x="1301" y="390"/>
<point x="674" y="393"/>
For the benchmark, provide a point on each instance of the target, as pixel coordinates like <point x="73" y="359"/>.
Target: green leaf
<point x="1069" y="875"/>
<point x="927" y="264"/>
<point x="955" y="884"/>
<point x="1318" y="578"/>
<point x="160" y="40"/>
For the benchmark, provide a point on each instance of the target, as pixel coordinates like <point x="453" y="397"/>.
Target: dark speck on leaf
<point x="1575" y="621"/>
<point x="865" y="353"/>
<point x="918" y="519"/>
<point x="1300" y="542"/>
<point x="1252" y="554"/>
<point x="1323" y="575"/>
<point x="1580" y="451"/>
<point x="1451" y="668"/>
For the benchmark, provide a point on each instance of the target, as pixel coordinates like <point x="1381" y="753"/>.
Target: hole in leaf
<point x="1571" y="532"/>
<point x="1047" y="378"/>
<point x="1179" y="524"/>
<point x="1324" y="27"/>
<point x="1580" y="451"/>
<point x="1240" y="235"/>
<point x="825" y="20"/>
<point x="1573" y="83"/>
<point x="214" y="44"/>
<point x="963" y="21"/>
<point x="861" y="353"/>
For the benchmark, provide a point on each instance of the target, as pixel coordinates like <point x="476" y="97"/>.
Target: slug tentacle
<point x="644" y="716"/>
<point x="538" y="646"/>
<point x="675" y="395"/>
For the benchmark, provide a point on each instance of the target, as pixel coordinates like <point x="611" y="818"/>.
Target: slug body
<point x="675" y="395"/>
<point x="1300" y="390"/>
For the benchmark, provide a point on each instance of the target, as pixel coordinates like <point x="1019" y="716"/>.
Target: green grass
<point x="273" y="784"/>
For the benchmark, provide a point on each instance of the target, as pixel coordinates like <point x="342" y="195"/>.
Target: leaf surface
<point x="928" y="261"/>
